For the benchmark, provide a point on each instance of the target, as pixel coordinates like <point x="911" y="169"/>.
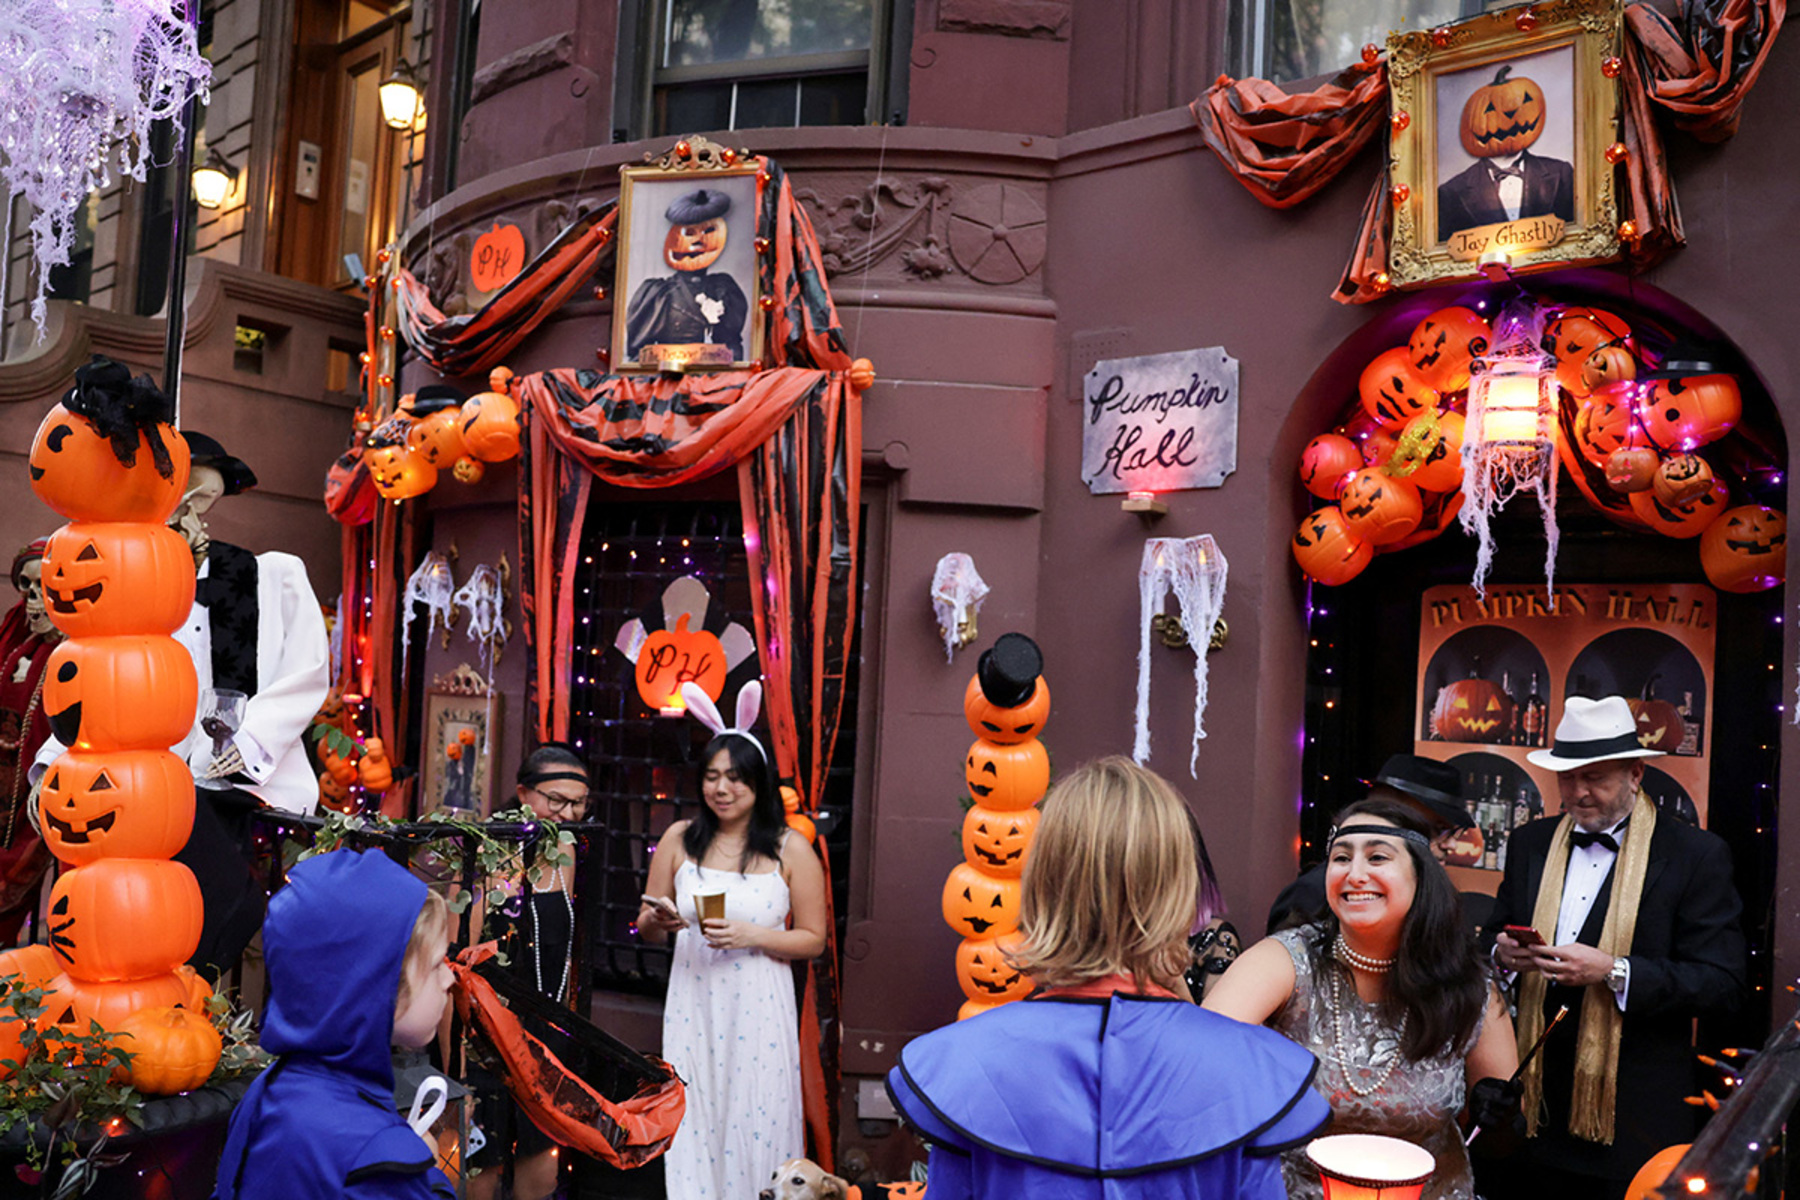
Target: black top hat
<point x="1685" y="358"/>
<point x="1436" y="785"/>
<point x="1009" y="670"/>
<point x="206" y="452"/>
<point x="436" y="397"/>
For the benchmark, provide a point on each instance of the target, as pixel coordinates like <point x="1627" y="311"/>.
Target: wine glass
<point x="221" y="715"/>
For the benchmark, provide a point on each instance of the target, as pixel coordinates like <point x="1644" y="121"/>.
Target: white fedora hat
<point x="1592" y="731"/>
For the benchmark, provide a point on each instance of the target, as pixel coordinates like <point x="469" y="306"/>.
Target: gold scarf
<point x="1597" y="1041"/>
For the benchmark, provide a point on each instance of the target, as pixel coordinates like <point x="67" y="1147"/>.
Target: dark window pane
<point x="834" y="99"/>
<point x="1305" y="38"/>
<point x="723" y="31"/>
<point x="766" y="104"/>
<point x="74" y="279"/>
<point x="690" y="106"/>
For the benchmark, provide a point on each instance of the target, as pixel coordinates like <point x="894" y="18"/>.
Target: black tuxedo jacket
<point x="1473" y="197"/>
<point x="1687" y="958"/>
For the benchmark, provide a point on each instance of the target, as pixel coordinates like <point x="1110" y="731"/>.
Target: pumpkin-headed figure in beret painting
<point x="1499" y="125"/>
<point x="692" y="305"/>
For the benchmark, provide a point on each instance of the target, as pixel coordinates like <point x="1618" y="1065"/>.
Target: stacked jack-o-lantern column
<point x="1007" y="770"/>
<point x="117" y="805"/>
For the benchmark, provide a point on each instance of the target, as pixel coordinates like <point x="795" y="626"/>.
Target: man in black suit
<point x="1639" y="921"/>
<point x="1506" y="189"/>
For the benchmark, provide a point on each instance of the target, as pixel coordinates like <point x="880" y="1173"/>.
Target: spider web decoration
<point x="433" y="586"/>
<point x="1496" y="471"/>
<point x="483" y="598"/>
<point x="957" y="591"/>
<point x="81" y="83"/>
<point x="1195" y="568"/>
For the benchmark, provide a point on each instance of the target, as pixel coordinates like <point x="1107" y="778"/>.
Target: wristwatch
<point x="1615" y="978"/>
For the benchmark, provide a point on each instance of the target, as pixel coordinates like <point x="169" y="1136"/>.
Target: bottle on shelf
<point x="1502" y="836"/>
<point x="1509" y="736"/>
<point x="1521" y="809"/>
<point x="1690" y="726"/>
<point x="1536" y="717"/>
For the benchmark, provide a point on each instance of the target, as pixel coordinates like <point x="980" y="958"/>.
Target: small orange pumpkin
<point x="124" y="918"/>
<point x="120" y="693"/>
<point x="671" y="657"/>
<point x="1326" y="462"/>
<point x="1745" y="550"/>
<point x="399" y="473"/>
<point x="997" y="842"/>
<point x="1392" y="391"/>
<point x="124" y="804"/>
<point x="1326" y="549"/>
<point x="490" y="426"/>
<point x="1606" y="366"/>
<point x="1378" y="509"/>
<point x="1681" y="479"/>
<point x="103" y="578"/>
<point x="1007" y="778"/>
<point x="374" y="768"/>
<point x="334" y="794"/>
<point x="1443" y="345"/>
<point x="978" y="905"/>
<point x="1607" y="421"/>
<point x="1659" y="724"/>
<point x="1006" y="726"/>
<point x="172" y="1049"/>
<point x="75" y="472"/>
<point x="1632" y="469"/>
<point x="984" y="972"/>
<point x="1574" y="334"/>
<point x="1502" y="117"/>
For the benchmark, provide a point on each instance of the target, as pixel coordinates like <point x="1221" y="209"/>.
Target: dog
<point x="804" y="1179"/>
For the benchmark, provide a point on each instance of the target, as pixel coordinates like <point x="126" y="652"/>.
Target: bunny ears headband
<point x="749" y="704"/>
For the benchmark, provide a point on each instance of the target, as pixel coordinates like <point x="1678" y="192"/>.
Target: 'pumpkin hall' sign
<point x="1160" y="423"/>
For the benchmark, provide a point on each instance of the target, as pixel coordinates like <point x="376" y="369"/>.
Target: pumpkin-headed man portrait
<point x="1500" y="126"/>
<point x="693" y="304"/>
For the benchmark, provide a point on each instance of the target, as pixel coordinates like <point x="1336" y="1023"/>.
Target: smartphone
<point x="663" y="905"/>
<point x="1525" y="935"/>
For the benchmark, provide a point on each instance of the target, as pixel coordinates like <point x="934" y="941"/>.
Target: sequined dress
<point x="1419" y="1101"/>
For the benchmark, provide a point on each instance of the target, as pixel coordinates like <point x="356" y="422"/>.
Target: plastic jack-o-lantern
<point x="1632" y="469"/>
<point x="490" y="421"/>
<point x="1443" y="345"/>
<point x="1606" y="366"/>
<point x="1440" y="466"/>
<point x="173" y="1049"/>
<point x="1392" y="392"/>
<point x="1502" y="117"/>
<point x="1681" y="414"/>
<point x="1379" y="509"/>
<point x="75" y="472"/>
<point x="120" y="693"/>
<point x="1326" y="549"/>
<point x="1007" y="778"/>
<point x="1472" y="710"/>
<point x="399" y="473"/>
<point x="126" y="804"/>
<point x="1377" y="448"/>
<point x="1681" y="479"/>
<point x="1745" y="550"/>
<point x="672" y="657"/>
<point x="1006" y="726"/>
<point x="978" y="905"/>
<point x="1607" y="421"/>
<point x="437" y="438"/>
<point x="997" y="842"/>
<point x="124" y="918"/>
<point x="73" y="1003"/>
<point x="986" y="974"/>
<point x="104" y="578"/>
<point x="1326" y="462"/>
<point x="1574" y="334"/>
<point x="31" y="966"/>
<point x="1689" y="521"/>
<point x="696" y="246"/>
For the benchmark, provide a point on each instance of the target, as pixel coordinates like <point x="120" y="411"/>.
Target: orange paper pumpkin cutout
<point x="672" y="657"/>
<point x="104" y="578"/>
<point x="978" y="905"/>
<point x="498" y="257"/>
<point x="74" y="471"/>
<point x="124" y="918"/>
<point x="120" y="693"/>
<point x="1007" y="778"/>
<point x="126" y="804"/>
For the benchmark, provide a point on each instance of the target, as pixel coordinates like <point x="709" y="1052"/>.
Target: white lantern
<point x="1364" y="1166"/>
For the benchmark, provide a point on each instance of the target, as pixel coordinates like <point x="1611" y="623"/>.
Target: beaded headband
<point x="1411" y="835"/>
<point x="749" y="704"/>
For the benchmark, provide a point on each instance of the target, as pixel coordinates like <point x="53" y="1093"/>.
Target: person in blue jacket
<point x="355" y="948"/>
<point x="1106" y="1085"/>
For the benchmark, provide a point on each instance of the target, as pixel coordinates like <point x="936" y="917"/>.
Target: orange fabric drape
<point x="1284" y="146"/>
<point x="1701" y="73"/>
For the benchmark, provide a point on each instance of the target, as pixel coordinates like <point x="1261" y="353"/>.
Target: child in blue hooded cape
<point x="355" y="948"/>
<point x="1106" y="1085"/>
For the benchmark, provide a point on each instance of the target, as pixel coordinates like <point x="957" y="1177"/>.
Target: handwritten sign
<point x="499" y="255"/>
<point x="1514" y="237"/>
<point x="1160" y="423"/>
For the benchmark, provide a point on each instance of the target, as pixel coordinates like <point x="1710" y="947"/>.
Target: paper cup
<point x="710" y="906"/>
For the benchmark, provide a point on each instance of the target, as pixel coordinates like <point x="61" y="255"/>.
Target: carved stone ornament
<point x="465" y="680"/>
<point x="698" y="154"/>
<point x="1427" y="68"/>
<point x="998" y="233"/>
<point x="993" y="233"/>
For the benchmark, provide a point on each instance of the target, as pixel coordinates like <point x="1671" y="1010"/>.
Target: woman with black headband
<point x="1388" y="991"/>
<point x="539" y="942"/>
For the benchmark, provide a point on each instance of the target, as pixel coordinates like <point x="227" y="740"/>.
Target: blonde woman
<point x="1106" y="1083"/>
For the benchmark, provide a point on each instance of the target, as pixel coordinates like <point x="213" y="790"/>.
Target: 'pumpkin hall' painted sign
<point x="1160" y="423"/>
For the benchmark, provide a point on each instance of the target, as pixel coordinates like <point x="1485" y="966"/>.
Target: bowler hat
<point x="1009" y="670"/>
<point x="702" y="204"/>
<point x="1592" y="731"/>
<point x="1436" y="785"/>
<point x="206" y="452"/>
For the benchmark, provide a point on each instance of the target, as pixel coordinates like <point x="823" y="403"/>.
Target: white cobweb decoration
<point x="1495" y="472"/>
<point x="433" y="586"/>
<point x="1195" y="569"/>
<point x="957" y="591"/>
<point x="81" y="83"/>
<point x="482" y="598"/>
<point x="686" y="597"/>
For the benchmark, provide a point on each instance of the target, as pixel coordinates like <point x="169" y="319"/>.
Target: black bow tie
<point x="1517" y="172"/>
<point x="206" y="590"/>
<point x="1584" y="839"/>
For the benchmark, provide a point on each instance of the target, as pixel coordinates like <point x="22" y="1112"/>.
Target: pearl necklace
<point x="537" y="941"/>
<point x="1337" y="1048"/>
<point x="1360" y="961"/>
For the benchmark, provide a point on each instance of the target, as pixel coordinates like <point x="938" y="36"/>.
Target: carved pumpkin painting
<point x="1681" y="479"/>
<point x="75" y="472"/>
<point x="1326" y="549"/>
<point x="1745" y="550"/>
<point x="1441" y="469"/>
<point x="978" y="905"/>
<point x="490" y="426"/>
<point x="997" y="842"/>
<point x="1682" y="414"/>
<point x="694" y="247"/>
<point x="173" y="1049"/>
<point x="105" y="578"/>
<point x="120" y="693"/>
<point x="1379" y="509"/>
<point x="672" y="657"/>
<point x="126" y="804"/>
<point x="1632" y="470"/>
<point x="1392" y="391"/>
<point x="497" y="257"/>
<point x="1685" y="522"/>
<point x="1502" y="117"/>
<point x="124" y="918"/>
<point x="1443" y="344"/>
<point x="1006" y="726"/>
<point x="1472" y="710"/>
<point x="1659" y="724"/>
<point x="1007" y="778"/>
<point x="986" y="974"/>
<point x="1326" y="462"/>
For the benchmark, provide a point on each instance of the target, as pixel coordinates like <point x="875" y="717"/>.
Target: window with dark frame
<point x="645" y="767"/>
<point x="1285" y="41"/>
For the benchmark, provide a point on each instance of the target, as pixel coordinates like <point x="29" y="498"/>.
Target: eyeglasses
<point x="565" y="803"/>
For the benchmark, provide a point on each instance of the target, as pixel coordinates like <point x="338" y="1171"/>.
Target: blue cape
<point x="321" y="1120"/>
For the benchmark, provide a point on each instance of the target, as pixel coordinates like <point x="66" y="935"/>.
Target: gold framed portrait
<point x="460" y="740"/>
<point x="1500" y="151"/>
<point x="686" y="285"/>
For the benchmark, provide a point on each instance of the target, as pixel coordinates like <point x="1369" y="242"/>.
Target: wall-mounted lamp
<point x="1145" y="504"/>
<point x="213" y="179"/>
<point x="401" y="97"/>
